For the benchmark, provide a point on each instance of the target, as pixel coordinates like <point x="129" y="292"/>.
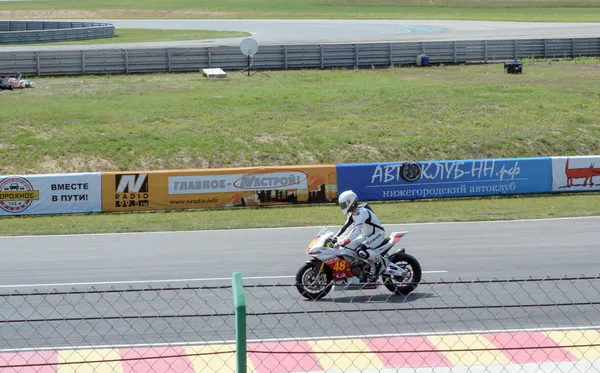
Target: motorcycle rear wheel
<point x="311" y="287"/>
<point x="406" y="285"/>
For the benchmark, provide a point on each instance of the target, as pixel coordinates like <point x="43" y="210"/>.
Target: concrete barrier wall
<point x="291" y="185"/>
<point x="161" y="60"/>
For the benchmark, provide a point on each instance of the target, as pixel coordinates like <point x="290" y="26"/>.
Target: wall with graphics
<point x="437" y="179"/>
<point x="231" y="187"/>
<point x="287" y="185"/>
<point x="50" y="194"/>
<point x="576" y="174"/>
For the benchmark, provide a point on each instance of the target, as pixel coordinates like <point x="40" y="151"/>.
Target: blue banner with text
<point x="439" y="179"/>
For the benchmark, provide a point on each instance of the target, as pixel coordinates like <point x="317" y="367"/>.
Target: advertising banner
<point x="576" y="174"/>
<point x="437" y="179"/>
<point x="232" y="187"/>
<point x="50" y="194"/>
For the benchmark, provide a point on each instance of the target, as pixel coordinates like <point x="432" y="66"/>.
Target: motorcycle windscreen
<point x="318" y="237"/>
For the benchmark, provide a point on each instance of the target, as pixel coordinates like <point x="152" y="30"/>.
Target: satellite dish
<point x="249" y="47"/>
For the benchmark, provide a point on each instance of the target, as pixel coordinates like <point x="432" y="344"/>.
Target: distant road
<point x="346" y="31"/>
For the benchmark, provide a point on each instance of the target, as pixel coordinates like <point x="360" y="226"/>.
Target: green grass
<point x="500" y="10"/>
<point x="128" y="35"/>
<point x="494" y="208"/>
<point x="173" y="121"/>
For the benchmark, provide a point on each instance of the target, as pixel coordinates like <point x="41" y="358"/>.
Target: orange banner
<point x="231" y="187"/>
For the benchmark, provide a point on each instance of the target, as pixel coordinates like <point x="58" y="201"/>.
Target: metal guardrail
<point x="28" y="32"/>
<point x="161" y="60"/>
<point x="513" y="325"/>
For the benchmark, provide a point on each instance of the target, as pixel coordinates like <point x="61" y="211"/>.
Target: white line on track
<point x="158" y="281"/>
<point x="290" y="228"/>
<point x="418" y="334"/>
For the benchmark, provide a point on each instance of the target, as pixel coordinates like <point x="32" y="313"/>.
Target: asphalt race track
<point x="466" y="250"/>
<point x="278" y="32"/>
<point x="457" y="250"/>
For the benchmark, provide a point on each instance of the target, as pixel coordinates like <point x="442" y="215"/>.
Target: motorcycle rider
<point x="366" y="235"/>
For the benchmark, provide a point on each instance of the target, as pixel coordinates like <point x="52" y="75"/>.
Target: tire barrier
<point x="29" y="32"/>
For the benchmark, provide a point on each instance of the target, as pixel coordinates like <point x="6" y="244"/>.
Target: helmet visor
<point x="344" y="205"/>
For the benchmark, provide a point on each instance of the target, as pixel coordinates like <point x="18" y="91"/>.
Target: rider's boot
<point x="374" y="275"/>
<point x="378" y="265"/>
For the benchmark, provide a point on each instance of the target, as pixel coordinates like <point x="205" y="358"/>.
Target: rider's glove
<point x="345" y="242"/>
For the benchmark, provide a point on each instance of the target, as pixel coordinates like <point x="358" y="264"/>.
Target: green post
<point x="239" y="302"/>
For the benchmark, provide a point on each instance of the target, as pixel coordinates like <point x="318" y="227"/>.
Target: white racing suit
<point x="366" y="235"/>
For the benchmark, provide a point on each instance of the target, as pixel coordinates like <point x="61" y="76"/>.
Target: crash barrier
<point x="164" y="190"/>
<point x="465" y="178"/>
<point x="289" y="185"/>
<point x="512" y="325"/>
<point x="27" y="32"/>
<point x="455" y="178"/>
<point x="50" y="194"/>
<point x="233" y="187"/>
<point x="361" y="55"/>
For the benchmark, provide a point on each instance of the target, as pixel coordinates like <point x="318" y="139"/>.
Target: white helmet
<point x="348" y="201"/>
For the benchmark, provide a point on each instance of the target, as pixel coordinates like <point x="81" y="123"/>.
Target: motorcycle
<point x="342" y="269"/>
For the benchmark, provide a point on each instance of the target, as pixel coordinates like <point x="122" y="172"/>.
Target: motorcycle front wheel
<point x="311" y="284"/>
<point x="404" y="285"/>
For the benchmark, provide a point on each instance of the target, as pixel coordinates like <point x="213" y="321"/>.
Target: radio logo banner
<point x="266" y="180"/>
<point x="131" y="190"/>
<point x="50" y="194"/>
<point x="17" y="194"/>
<point x="215" y="188"/>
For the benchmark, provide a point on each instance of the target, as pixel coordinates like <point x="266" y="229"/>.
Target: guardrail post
<point x="285" y="58"/>
<point x="422" y="48"/>
<point x="83" y="62"/>
<point x="545" y="49"/>
<point x="168" y="60"/>
<point x="391" y="55"/>
<point x="515" y="47"/>
<point x="454" y="50"/>
<point x="126" y="61"/>
<point x="322" y="56"/>
<point x="356" y="55"/>
<point x="37" y="57"/>
<point x="208" y="50"/>
<point x="572" y="48"/>
<point x="485" y="51"/>
<point x="239" y="302"/>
